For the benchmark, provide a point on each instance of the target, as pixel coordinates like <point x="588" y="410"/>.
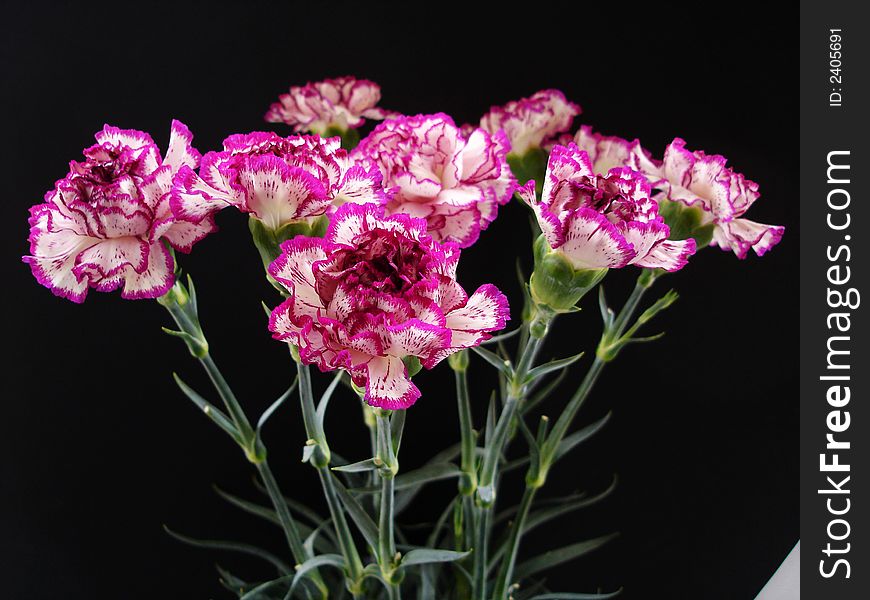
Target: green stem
<point x="505" y="572"/>
<point x="187" y="319"/>
<point x="291" y="531"/>
<point x="320" y="460"/>
<point x="483" y="519"/>
<point x="537" y="474"/>
<point x="342" y="530"/>
<point x="386" y="533"/>
<point x="466" y="431"/>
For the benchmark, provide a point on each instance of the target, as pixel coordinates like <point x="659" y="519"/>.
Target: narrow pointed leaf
<point x="327" y="396"/>
<point x="211" y="411"/>
<point x="295" y="506"/>
<point x="545" y="393"/>
<point x="315" y="562"/>
<point x="551" y="366"/>
<point x="559" y="556"/>
<point x="421" y="556"/>
<point x="249" y="507"/>
<point x="276" y="404"/>
<point x="232" y="547"/>
<point x="397" y="427"/>
<point x="569" y="442"/>
<point x="492" y="358"/>
<point x="358" y="515"/>
<point x="496" y="339"/>
<point x="357" y="467"/>
<point x="259" y="592"/>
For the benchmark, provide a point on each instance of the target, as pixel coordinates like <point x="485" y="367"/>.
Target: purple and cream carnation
<point x="279" y="180"/>
<point x="377" y="289"/>
<point x="602" y="221"/>
<point x="696" y="179"/>
<point x="340" y="104"/>
<point x="106" y="224"/>
<point x="531" y="122"/>
<point x="453" y="181"/>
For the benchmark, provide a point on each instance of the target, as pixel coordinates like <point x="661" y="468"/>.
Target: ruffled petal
<point x="670" y="255"/>
<point x="181" y="152"/>
<point x="739" y="235"/>
<point x="593" y="242"/>
<point x="388" y="385"/>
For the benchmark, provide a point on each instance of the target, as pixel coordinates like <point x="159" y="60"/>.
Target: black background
<point x="99" y="448"/>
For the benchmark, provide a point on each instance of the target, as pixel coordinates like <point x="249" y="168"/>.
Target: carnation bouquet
<point x="361" y="236"/>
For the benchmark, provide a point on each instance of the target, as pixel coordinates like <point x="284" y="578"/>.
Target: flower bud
<point x="555" y="284"/>
<point x="458" y="361"/>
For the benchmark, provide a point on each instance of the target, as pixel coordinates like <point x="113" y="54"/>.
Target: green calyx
<point x="531" y="165"/>
<point x="458" y="361"/>
<point x="555" y="285"/>
<point x="686" y="222"/>
<point x="268" y="241"/>
<point x="349" y="137"/>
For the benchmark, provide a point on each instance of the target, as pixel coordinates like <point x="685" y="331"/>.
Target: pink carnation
<point x="104" y="225"/>
<point x="454" y="182"/>
<point x="604" y="221"/>
<point x="279" y="180"/>
<point x="698" y="179"/>
<point x="531" y="122"/>
<point x="376" y="289"/>
<point x="340" y="103"/>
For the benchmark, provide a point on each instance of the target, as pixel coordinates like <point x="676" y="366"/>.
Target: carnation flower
<point x="104" y="225"/>
<point x="333" y="104"/>
<point x="530" y="122"/>
<point x="609" y="151"/>
<point x="453" y="182"/>
<point x="602" y="221"/>
<point x="278" y="180"/>
<point x="377" y="289"/>
<point x="695" y="179"/>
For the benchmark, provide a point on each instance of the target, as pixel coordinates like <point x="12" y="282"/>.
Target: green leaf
<point x="542" y="395"/>
<point x="259" y="592"/>
<point x="315" y="562"/>
<point x="569" y="442"/>
<point x="297" y="507"/>
<point x="327" y="396"/>
<point x="420" y="556"/>
<point x="539" y="517"/>
<point x="551" y="366"/>
<point x="358" y="467"/>
<point x="231" y="582"/>
<point x="494" y="359"/>
<point x="232" y="547"/>
<point x="425" y="474"/>
<point x="397" y="427"/>
<point x="496" y="339"/>
<point x="277" y="403"/>
<point x="559" y="556"/>
<point x="249" y="507"/>
<point x="357" y="513"/>
<point x="211" y="411"/>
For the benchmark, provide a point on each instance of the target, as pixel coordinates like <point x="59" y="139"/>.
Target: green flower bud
<point x="458" y="361"/>
<point x="555" y="284"/>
